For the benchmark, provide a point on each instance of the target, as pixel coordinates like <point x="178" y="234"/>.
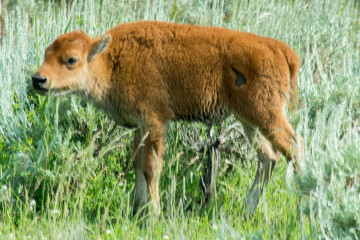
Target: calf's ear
<point x="98" y="46"/>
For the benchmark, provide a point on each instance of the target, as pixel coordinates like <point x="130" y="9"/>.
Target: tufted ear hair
<point x="99" y="46"/>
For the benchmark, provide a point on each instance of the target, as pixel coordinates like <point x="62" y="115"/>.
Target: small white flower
<point x="215" y="227"/>
<point x="4" y="187"/>
<point x="108" y="231"/>
<point x="121" y="184"/>
<point x="11" y="236"/>
<point x="32" y="204"/>
<point x="166" y="237"/>
<point x="55" y="211"/>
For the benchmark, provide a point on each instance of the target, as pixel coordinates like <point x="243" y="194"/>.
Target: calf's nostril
<point x="38" y="78"/>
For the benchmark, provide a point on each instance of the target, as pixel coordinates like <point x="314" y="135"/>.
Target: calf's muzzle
<point x="38" y="80"/>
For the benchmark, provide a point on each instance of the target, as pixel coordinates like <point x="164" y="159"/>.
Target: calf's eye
<point x="72" y="61"/>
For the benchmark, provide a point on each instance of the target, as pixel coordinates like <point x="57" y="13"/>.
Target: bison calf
<point x="145" y="74"/>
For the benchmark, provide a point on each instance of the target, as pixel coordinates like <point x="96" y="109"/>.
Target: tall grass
<point x="65" y="170"/>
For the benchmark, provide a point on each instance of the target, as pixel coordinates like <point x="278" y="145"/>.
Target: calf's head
<point x="67" y="64"/>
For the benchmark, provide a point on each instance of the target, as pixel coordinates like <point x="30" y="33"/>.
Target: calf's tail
<point x="293" y="62"/>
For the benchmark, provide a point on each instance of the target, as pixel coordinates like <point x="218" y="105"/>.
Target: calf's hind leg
<point x="282" y="137"/>
<point x="267" y="159"/>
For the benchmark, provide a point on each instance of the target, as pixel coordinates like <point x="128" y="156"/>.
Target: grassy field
<point x="65" y="168"/>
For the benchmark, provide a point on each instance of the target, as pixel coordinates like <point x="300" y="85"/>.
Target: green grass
<point x="66" y="174"/>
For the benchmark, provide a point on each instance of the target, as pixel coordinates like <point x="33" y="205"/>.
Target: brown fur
<point x="153" y="72"/>
<point x="2" y="21"/>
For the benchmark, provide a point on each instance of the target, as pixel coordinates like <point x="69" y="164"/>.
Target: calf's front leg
<point x="152" y="160"/>
<point x="140" y="182"/>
